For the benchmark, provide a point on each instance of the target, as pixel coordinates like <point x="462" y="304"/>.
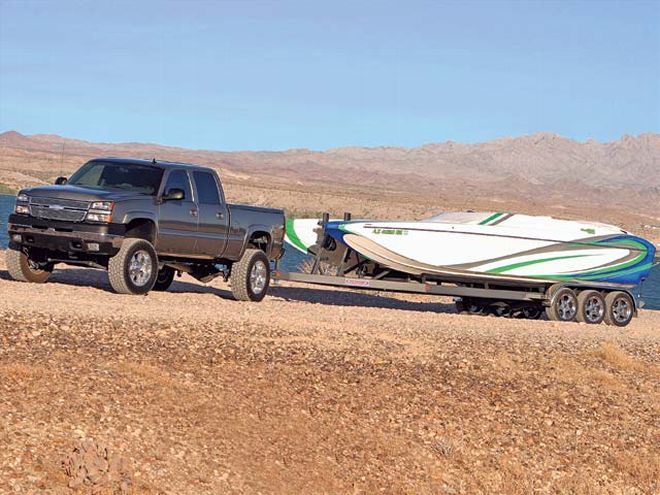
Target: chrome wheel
<point x="140" y="268"/>
<point x="594" y="309"/>
<point x="621" y="310"/>
<point x="567" y="306"/>
<point x="258" y="277"/>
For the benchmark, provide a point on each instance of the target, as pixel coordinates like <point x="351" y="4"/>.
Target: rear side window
<point x="178" y="179"/>
<point x="207" y="189"/>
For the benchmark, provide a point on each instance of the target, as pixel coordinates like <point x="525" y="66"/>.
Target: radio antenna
<point x="62" y="160"/>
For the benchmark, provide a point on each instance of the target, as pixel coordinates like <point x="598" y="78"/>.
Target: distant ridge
<point x="537" y="167"/>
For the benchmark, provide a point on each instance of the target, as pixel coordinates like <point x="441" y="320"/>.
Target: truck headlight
<point x="94" y="216"/>
<point x="100" y="211"/>
<point x="23" y="198"/>
<point x="22" y="210"/>
<point x="102" y="205"/>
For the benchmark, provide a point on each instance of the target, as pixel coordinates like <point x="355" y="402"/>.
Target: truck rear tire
<point x="21" y="268"/>
<point x="164" y="279"/>
<point x="250" y="277"/>
<point x="134" y="269"/>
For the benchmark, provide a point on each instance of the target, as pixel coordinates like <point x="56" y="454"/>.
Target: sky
<point x="273" y="75"/>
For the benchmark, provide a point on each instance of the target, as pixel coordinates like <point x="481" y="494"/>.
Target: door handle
<point x="220" y="215"/>
<point x="193" y="212"/>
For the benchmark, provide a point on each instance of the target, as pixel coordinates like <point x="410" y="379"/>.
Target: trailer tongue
<point x="340" y="264"/>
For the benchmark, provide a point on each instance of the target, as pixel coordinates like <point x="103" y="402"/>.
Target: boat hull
<point x="479" y="252"/>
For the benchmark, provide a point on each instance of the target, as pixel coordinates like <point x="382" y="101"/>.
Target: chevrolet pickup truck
<point x="144" y="221"/>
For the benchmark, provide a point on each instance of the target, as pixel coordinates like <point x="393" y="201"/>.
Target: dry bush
<point x="20" y="372"/>
<point x="324" y="268"/>
<point x="617" y="358"/>
<point x="644" y="469"/>
<point x="149" y="375"/>
<point x="571" y="371"/>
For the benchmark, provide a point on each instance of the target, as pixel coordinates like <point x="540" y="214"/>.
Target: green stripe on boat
<point x="491" y="218"/>
<point x="612" y="268"/>
<point x="513" y="266"/>
<point x="614" y="274"/>
<point x="293" y="237"/>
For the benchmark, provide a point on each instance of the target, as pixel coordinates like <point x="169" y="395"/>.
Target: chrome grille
<point x="67" y="210"/>
<point x="66" y="203"/>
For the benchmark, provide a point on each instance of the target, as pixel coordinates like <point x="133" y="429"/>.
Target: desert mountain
<point x="542" y="167"/>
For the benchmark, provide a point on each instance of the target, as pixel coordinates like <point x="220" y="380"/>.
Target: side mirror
<point x="60" y="181"/>
<point x="174" y="195"/>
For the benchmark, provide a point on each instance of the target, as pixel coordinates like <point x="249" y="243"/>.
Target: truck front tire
<point x="250" y="277"/>
<point x="134" y="269"/>
<point x="21" y="268"/>
<point x="164" y="279"/>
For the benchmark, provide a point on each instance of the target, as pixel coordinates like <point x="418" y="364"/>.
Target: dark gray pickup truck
<point x="144" y="221"/>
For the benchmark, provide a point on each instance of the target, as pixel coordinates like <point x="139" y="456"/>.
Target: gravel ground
<point x="315" y="391"/>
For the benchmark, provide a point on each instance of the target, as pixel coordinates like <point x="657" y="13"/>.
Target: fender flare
<point x="257" y="228"/>
<point x="141" y="215"/>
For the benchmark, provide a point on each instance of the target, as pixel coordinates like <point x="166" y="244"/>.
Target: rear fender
<point x="254" y="229"/>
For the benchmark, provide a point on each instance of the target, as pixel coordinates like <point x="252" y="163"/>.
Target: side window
<point x="178" y="179"/>
<point x="207" y="189"/>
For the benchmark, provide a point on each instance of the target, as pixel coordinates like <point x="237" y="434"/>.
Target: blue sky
<point x="276" y="75"/>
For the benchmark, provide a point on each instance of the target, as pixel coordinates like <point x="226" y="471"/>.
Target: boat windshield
<point x="143" y="179"/>
<point x="456" y="217"/>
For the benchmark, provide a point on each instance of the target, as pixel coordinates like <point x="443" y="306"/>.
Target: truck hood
<point x="80" y="193"/>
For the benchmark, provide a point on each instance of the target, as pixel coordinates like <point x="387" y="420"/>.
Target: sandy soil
<point x="315" y="391"/>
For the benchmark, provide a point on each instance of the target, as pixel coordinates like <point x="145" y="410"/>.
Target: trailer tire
<point x="563" y="305"/>
<point x="532" y="312"/>
<point x="619" y="309"/>
<point x="250" y="277"/>
<point x="22" y="269"/>
<point x="471" y="306"/>
<point x="591" y="307"/>
<point x="134" y="269"/>
<point x="164" y="279"/>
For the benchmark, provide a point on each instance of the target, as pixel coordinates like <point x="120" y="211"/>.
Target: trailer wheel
<point x="532" y="312"/>
<point x="563" y="306"/>
<point x="619" y="309"/>
<point x="23" y="269"/>
<point x="470" y="306"/>
<point x="250" y="277"/>
<point x="133" y="270"/>
<point x="591" y="307"/>
<point x="501" y="309"/>
<point x="164" y="279"/>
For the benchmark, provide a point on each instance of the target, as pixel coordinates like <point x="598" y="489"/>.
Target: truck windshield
<point x="142" y="179"/>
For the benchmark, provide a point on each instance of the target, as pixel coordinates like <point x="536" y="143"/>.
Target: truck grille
<point x="67" y="210"/>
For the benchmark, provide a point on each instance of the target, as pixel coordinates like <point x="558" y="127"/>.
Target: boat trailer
<point x="348" y="269"/>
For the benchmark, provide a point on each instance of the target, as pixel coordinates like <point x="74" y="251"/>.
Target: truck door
<point x="213" y="222"/>
<point x="177" y="217"/>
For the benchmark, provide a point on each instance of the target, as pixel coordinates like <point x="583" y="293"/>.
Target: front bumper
<point x="69" y="240"/>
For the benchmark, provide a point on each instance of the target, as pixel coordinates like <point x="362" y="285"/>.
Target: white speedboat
<point x="490" y="246"/>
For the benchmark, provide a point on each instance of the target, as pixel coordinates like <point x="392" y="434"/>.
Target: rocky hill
<point x="540" y="172"/>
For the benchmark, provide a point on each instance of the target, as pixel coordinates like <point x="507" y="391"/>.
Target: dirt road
<point x="315" y="391"/>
